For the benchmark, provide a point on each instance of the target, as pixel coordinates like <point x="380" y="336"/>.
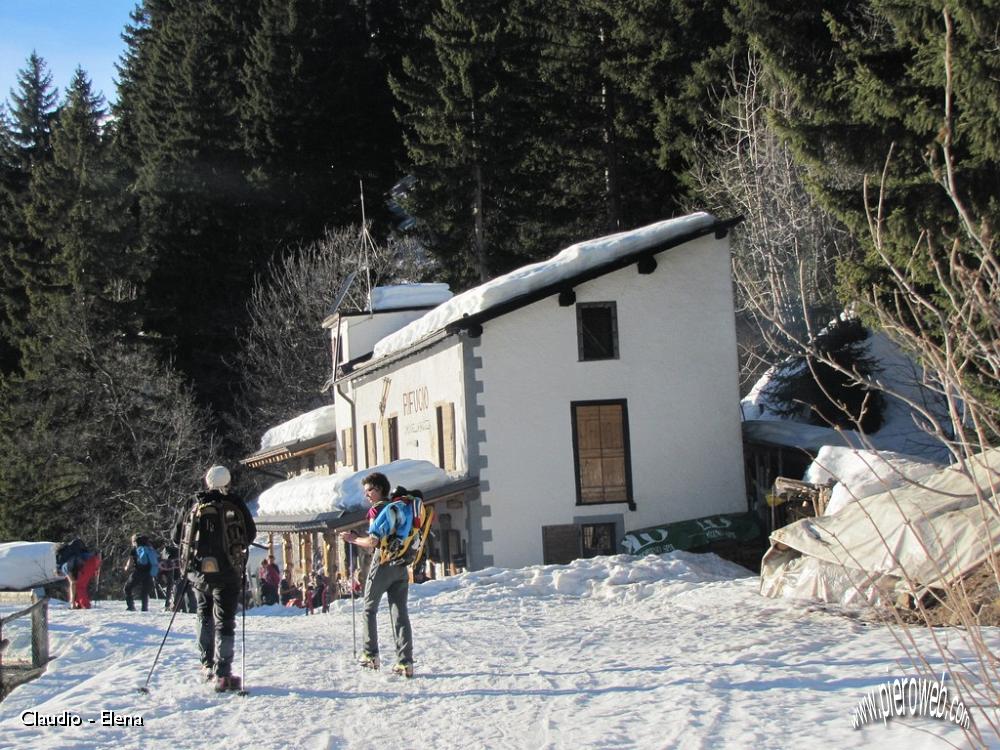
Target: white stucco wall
<point x="678" y="371"/>
<point x="416" y="386"/>
<point x="360" y="332"/>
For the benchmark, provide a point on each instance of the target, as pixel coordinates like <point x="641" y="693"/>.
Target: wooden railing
<point x="16" y="672"/>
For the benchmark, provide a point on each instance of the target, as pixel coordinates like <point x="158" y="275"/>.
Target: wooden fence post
<point x="40" y="630"/>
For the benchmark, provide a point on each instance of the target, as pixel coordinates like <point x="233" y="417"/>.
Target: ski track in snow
<point x="662" y="652"/>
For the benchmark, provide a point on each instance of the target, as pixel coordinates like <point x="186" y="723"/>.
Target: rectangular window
<point x="597" y="539"/>
<point x="601" y="452"/>
<point x="371" y="458"/>
<point x="597" y="330"/>
<point x="446" y="436"/>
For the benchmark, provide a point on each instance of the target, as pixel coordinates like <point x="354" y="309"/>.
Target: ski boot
<point x="369" y="661"/>
<point x="403" y="670"/>
<point x="225" y="684"/>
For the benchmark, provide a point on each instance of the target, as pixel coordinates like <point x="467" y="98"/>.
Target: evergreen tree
<point x="181" y="94"/>
<point x="809" y="386"/>
<point x="317" y="117"/>
<point x="75" y="212"/>
<point x="870" y="100"/>
<point x="463" y="96"/>
<point x="24" y="146"/>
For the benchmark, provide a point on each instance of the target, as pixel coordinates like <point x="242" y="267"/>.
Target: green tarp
<point x="698" y="532"/>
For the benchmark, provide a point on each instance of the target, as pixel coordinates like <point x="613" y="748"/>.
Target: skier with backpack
<point x="397" y="529"/>
<point x="214" y="534"/>
<point x="142" y="567"/>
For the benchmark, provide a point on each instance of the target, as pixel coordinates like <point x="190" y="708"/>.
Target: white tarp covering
<point x="860" y="473"/>
<point x="26" y="564"/>
<point x="907" y="539"/>
<point x="306" y="426"/>
<point x="311" y="493"/>
<point x="571" y="261"/>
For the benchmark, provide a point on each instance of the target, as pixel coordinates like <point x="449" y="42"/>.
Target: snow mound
<point x="612" y="577"/>
<point x="306" y="426"/>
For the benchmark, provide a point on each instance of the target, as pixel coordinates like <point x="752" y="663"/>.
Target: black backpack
<point x="214" y="540"/>
<point x="68" y="551"/>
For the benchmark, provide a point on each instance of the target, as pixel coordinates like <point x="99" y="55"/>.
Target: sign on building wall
<point x="739" y="527"/>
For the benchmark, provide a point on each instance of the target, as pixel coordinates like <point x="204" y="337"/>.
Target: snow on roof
<point x="901" y="427"/>
<point x="26" y="564"/>
<point x="312" y="493"/>
<point x="791" y="434"/>
<point x="306" y="426"/>
<point x="572" y="261"/>
<point x="408" y="295"/>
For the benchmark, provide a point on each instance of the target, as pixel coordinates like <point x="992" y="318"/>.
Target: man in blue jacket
<point x="142" y="566"/>
<point x="383" y="578"/>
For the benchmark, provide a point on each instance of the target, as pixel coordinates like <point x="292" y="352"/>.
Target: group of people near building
<point x="313" y="592"/>
<point x="215" y="532"/>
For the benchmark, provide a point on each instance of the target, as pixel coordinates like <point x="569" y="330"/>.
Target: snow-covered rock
<point x="25" y="564"/>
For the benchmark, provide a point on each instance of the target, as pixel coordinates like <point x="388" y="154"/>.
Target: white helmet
<point x="217" y="478"/>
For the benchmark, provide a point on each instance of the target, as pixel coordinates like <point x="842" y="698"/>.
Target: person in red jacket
<point x="79" y="570"/>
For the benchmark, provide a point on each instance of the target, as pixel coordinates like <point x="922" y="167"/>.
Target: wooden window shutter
<point x="385" y="441"/>
<point x="560" y="544"/>
<point x="601" y="452"/>
<point x="370" y="455"/>
<point x="347" y="440"/>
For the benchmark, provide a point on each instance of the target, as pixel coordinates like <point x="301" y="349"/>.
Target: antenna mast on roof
<point x="366" y="241"/>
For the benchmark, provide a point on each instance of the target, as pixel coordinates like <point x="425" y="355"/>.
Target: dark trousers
<point x="217" y="623"/>
<point x="268" y="593"/>
<point x="182" y="587"/>
<point x="144" y="581"/>
<point x="394" y="582"/>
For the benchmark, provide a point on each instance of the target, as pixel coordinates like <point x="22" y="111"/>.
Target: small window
<point x="597" y="330"/>
<point x="601" y="452"/>
<point x="597" y="539"/>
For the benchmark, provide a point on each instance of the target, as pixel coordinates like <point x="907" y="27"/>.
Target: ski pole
<point x="243" y="667"/>
<point x="350" y="586"/>
<point x="145" y="687"/>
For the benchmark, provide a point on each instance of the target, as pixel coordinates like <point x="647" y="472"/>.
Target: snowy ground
<point x="671" y="651"/>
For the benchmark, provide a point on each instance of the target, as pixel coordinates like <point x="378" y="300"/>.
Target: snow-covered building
<point x="567" y="402"/>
